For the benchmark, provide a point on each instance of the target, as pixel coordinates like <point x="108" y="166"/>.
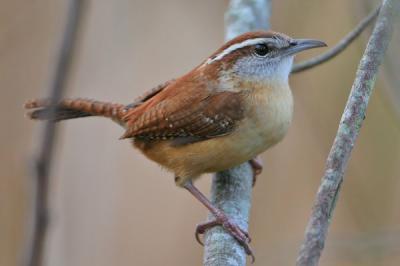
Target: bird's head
<point x="261" y="56"/>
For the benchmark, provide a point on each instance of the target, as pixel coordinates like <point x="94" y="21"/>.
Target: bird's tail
<point x="73" y="108"/>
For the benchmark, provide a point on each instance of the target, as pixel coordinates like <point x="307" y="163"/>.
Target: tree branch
<point x="34" y="251"/>
<point x="338" y="48"/>
<point x="349" y="127"/>
<point x="231" y="189"/>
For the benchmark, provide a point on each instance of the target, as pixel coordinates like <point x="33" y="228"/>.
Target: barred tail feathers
<point x="74" y="108"/>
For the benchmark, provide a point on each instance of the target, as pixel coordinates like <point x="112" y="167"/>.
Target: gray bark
<point x="349" y="127"/>
<point x="231" y="189"/>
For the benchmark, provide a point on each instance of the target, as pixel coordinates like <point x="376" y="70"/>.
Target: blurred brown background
<point x="110" y="206"/>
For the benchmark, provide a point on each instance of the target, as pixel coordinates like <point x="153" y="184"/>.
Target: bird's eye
<point x="261" y="50"/>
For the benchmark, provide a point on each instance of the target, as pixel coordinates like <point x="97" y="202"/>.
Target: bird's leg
<point x="257" y="165"/>
<point x="220" y="219"/>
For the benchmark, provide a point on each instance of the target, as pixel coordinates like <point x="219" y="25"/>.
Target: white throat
<point x="276" y="71"/>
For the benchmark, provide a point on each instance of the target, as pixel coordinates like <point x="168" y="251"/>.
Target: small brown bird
<point x="237" y="102"/>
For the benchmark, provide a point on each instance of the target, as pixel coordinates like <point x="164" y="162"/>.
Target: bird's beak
<point x="298" y="45"/>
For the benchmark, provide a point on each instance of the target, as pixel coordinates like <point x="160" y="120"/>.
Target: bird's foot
<point x="241" y="236"/>
<point x="257" y="165"/>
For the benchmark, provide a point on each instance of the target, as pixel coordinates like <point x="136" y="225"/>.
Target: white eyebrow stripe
<point x="236" y="46"/>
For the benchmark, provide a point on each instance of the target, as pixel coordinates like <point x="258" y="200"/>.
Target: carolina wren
<point x="233" y="106"/>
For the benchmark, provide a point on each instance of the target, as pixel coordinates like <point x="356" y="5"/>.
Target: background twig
<point x="231" y="189"/>
<point x="338" y="48"/>
<point x="40" y="172"/>
<point x="349" y="128"/>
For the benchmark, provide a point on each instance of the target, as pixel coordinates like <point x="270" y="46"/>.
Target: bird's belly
<point x="263" y="127"/>
<point x="251" y="138"/>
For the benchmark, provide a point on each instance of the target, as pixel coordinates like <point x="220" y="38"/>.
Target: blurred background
<point x="111" y="206"/>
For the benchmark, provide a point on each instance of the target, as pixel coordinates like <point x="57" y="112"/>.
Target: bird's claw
<point x="235" y="231"/>
<point x="257" y="166"/>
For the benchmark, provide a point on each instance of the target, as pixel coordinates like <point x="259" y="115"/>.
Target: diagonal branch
<point x="349" y="127"/>
<point x="34" y="251"/>
<point x="338" y="48"/>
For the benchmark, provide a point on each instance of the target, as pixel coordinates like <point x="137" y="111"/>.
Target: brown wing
<point x="185" y="113"/>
